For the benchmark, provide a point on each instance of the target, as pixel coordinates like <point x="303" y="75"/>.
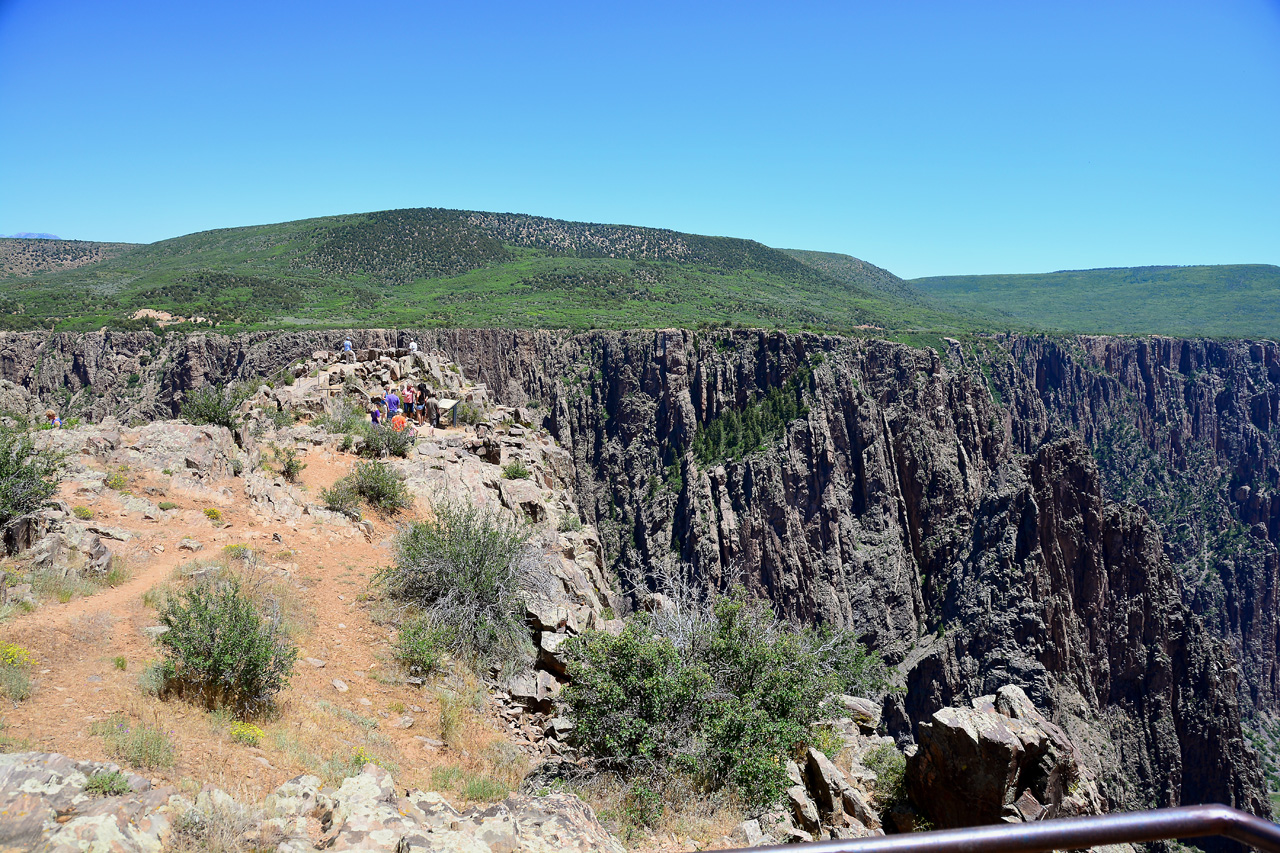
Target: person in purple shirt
<point x="392" y="401"/>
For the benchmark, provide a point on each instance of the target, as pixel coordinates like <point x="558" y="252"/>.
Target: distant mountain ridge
<point x="436" y="267"/>
<point x="27" y="235"/>
<point x="433" y="267"/>
<point x="1231" y="300"/>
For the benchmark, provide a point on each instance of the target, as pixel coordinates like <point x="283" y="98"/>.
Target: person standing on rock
<point x="55" y="422"/>
<point x="420" y="403"/>
<point x="433" y="413"/>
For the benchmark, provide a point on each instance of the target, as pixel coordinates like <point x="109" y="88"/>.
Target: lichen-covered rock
<point x="43" y="806"/>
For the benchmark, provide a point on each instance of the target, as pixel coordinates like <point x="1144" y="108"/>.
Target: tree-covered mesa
<point x="721" y="693"/>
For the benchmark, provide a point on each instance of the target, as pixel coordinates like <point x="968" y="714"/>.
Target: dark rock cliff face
<point x="974" y="541"/>
<point x="1188" y="431"/>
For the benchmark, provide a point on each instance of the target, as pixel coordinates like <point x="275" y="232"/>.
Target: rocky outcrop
<point x="958" y="531"/>
<point x="50" y="804"/>
<point x="1000" y="760"/>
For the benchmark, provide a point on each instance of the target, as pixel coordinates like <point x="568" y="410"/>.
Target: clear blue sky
<point x="929" y="138"/>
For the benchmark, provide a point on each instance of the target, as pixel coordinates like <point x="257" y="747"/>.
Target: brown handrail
<point x="1064" y="834"/>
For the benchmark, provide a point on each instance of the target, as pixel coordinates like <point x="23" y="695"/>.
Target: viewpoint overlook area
<point x="1058" y="550"/>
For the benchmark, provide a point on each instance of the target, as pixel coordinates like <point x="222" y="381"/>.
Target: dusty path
<point x="76" y="646"/>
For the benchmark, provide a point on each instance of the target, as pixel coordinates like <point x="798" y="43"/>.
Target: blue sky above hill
<point x="929" y="138"/>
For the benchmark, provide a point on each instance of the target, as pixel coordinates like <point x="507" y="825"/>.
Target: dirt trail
<point x="76" y="645"/>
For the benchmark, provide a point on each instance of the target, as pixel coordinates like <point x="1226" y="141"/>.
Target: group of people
<point x="410" y="404"/>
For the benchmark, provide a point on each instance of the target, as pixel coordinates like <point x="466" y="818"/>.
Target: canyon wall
<point x="1088" y="518"/>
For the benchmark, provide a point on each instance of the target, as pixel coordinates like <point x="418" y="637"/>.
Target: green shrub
<point x="136" y="744"/>
<point x="420" y="645"/>
<point x="724" y="692"/>
<point x="633" y="696"/>
<point x="342" y="497"/>
<point x="222" y="650"/>
<point x="377" y="483"/>
<point x="515" y="470"/>
<point x="464" y="570"/>
<point x="103" y="784"/>
<point x="167" y="505"/>
<point x="381" y="440"/>
<point x="168" y="472"/>
<point x="468" y="414"/>
<point x="483" y="789"/>
<point x="890" y="767"/>
<point x="345" y="418"/>
<point x="155" y="676"/>
<point x="290" y="464"/>
<point x="28" y="478"/>
<point x="82" y="512"/>
<point x="215" y="404"/>
<point x="121" y="662"/>
<point x="348" y="441"/>
<point x="569" y="523"/>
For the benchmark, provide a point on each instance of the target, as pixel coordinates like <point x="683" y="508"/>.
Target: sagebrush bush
<point x="420" y="645"/>
<point x="82" y="512"/>
<point x="15" y="672"/>
<point x="104" y="784"/>
<point x="215" y="404"/>
<point x="290" y="463"/>
<point x="381" y="486"/>
<point x="726" y="693"/>
<point x="381" y="440"/>
<point x="222" y="650"/>
<point x="890" y="767"/>
<point x="468" y="570"/>
<point x="28" y="478"/>
<point x="342" y="497"/>
<point x="137" y="744"/>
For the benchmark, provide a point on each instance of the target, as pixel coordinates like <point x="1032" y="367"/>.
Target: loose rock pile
<point x="45" y="806"/>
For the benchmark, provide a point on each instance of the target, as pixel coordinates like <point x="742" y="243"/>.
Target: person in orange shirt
<point x="399" y="422"/>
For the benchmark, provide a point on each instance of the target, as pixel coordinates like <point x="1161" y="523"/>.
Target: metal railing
<point x="1065" y="834"/>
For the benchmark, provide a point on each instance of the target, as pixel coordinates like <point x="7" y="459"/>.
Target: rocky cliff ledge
<point x="959" y="508"/>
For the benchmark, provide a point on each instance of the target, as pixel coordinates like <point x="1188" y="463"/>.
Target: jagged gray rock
<point x="46" y="807"/>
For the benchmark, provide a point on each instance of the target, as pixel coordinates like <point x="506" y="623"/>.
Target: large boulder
<point x="1000" y="760"/>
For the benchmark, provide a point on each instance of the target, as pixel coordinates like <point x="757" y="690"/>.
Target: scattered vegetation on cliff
<point x="27" y="478"/>
<point x="721" y="692"/>
<point x="215" y="404"/>
<point x="734" y="433"/>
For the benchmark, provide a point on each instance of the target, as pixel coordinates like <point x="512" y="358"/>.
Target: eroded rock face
<point x="46" y="807"/>
<point x="956" y="531"/>
<point x="1000" y="760"/>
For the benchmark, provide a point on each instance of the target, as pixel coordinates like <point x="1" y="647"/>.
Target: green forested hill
<point x="1239" y="301"/>
<point x="449" y="267"/>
